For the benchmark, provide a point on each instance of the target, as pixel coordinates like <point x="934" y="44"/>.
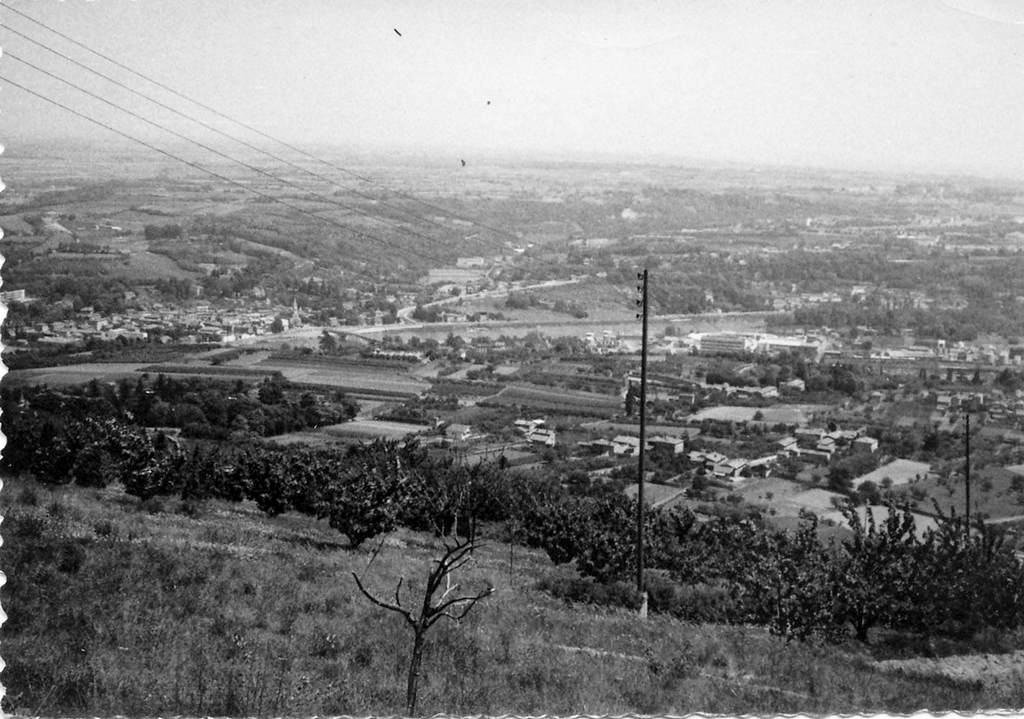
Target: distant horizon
<point x="441" y="156"/>
<point x="878" y="86"/>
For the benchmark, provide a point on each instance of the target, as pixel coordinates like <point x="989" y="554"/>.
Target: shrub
<point x="586" y="590"/>
<point x="153" y="505"/>
<point x="26" y="526"/>
<point x="104" y="529"/>
<point x="28" y="496"/>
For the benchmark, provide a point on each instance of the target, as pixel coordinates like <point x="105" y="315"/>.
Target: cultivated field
<point x="73" y="374"/>
<point x="314" y="438"/>
<point x="784" y="414"/>
<point x="554" y="399"/>
<point x="898" y="471"/>
<point x="372" y="429"/>
<point x="353" y="378"/>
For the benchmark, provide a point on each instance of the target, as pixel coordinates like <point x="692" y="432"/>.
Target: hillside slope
<point x="164" y="608"/>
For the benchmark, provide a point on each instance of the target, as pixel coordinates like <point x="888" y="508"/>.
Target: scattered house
<point x="687" y="399"/>
<point x="458" y="432"/>
<point x="667" y="445"/>
<point x="809" y="436"/>
<point x="760" y="467"/>
<point x="403" y="355"/>
<point x="707" y="458"/>
<point x="788" y="446"/>
<point x="526" y="426"/>
<point x="763" y="392"/>
<point x="826" y="444"/>
<point x="597" y="446"/>
<point x="542" y="436"/>
<point x="727" y="343"/>
<point x="13" y="296"/>
<point x="795" y="385"/>
<point x="843" y="437"/>
<point x="730" y="468"/>
<point x="865" y="444"/>
<point x="626" y="445"/>
<point x="815" y="456"/>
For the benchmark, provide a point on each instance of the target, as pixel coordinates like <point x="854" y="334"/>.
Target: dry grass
<point x="170" y="610"/>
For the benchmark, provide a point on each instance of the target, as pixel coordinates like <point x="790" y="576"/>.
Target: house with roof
<point x="542" y="436"/>
<point x="458" y="432"/>
<point x="707" y="459"/>
<point x="761" y="466"/>
<point x="808" y="437"/>
<point x="667" y="446"/>
<point x="816" y="456"/>
<point x="526" y="426"/>
<point x="625" y="445"/>
<point x="826" y="444"/>
<point x="788" y="446"/>
<point x="730" y="468"/>
<point x="865" y="444"/>
<point x="596" y="446"/>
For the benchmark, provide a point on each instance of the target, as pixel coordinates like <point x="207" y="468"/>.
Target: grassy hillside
<point x="117" y="607"/>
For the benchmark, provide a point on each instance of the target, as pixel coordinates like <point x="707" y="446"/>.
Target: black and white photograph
<point x="457" y="358"/>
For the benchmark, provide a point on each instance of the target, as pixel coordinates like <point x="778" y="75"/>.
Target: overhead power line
<point x="195" y="165"/>
<point x="224" y="155"/>
<point x="262" y="134"/>
<point x="217" y="130"/>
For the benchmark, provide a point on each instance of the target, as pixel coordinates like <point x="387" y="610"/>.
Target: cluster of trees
<point x="949" y="581"/>
<point x="162" y="232"/>
<point x="200" y="407"/>
<point x="944" y="582"/>
<point x="422" y="410"/>
<point x="521" y="300"/>
<point x="362" y="492"/>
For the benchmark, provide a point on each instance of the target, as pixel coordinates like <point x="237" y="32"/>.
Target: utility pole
<point x="967" y="473"/>
<point x="642" y="302"/>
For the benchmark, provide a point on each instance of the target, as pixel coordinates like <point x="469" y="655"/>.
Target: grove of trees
<point x="733" y="569"/>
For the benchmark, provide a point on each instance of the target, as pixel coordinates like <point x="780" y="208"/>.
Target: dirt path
<point x="1006" y="520"/>
<point x="988" y="669"/>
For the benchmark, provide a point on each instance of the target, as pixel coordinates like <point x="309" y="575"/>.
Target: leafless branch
<point x="441" y="610"/>
<point x="376" y="552"/>
<point x="457" y="554"/>
<point x="391" y="607"/>
<point x="443" y="606"/>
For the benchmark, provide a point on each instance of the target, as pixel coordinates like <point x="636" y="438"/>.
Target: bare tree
<point x="449" y="604"/>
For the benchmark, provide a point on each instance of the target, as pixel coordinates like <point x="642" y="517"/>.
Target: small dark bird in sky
<point x="462" y="161"/>
<point x="396" y="31"/>
<point x="488" y="102"/>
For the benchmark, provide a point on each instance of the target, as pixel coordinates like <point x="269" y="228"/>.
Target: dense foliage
<point x="201" y="407"/>
<point x="733" y="569"/>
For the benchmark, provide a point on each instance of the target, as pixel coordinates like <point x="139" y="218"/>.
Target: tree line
<point x="734" y="569"/>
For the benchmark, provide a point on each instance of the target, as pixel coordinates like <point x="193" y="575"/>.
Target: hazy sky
<point x="866" y="84"/>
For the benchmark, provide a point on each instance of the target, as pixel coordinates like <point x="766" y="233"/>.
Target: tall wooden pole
<point x="643" y="441"/>
<point x="967" y="473"/>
